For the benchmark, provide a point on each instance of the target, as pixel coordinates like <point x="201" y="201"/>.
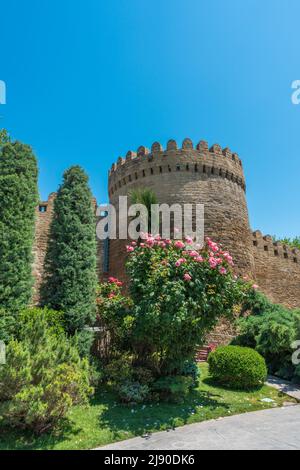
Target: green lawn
<point x="106" y="421"/>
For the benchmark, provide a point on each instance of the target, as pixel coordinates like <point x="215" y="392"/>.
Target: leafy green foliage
<point x="292" y="242"/>
<point x="191" y="369"/>
<point x="4" y="137"/>
<point x="70" y="284"/>
<point x="237" y="367"/>
<point x="178" y="297"/>
<point x="119" y="371"/>
<point x="11" y="326"/>
<point x="19" y="197"/>
<point x="113" y="317"/>
<point x="8" y="325"/>
<point x="173" y="388"/>
<point x="29" y="316"/>
<point x="271" y="329"/>
<point x="134" y="392"/>
<point x="147" y="198"/>
<point x="42" y="378"/>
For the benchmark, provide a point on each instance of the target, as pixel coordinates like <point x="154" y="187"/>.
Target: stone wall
<point x="277" y="270"/>
<point x="44" y="214"/>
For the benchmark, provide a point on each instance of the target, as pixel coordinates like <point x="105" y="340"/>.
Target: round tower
<point x="189" y="175"/>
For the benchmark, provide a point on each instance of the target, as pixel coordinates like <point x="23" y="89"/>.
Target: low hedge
<point x="237" y="367"/>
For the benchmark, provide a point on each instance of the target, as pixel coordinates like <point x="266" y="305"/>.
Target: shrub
<point x="29" y="316"/>
<point x="113" y="317"/>
<point x="191" y="369"/>
<point x="42" y="378"/>
<point x="178" y="296"/>
<point x="237" y="367"/>
<point x="70" y="265"/>
<point x="119" y="371"/>
<point x="271" y="329"/>
<point x="19" y="197"/>
<point x="173" y="388"/>
<point x="133" y="392"/>
<point x="8" y="325"/>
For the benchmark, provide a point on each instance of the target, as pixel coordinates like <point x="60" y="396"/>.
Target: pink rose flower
<point x="179" y="262"/>
<point x="187" y="277"/>
<point x="129" y="249"/>
<point x="255" y="287"/>
<point x="223" y="270"/>
<point x="150" y="242"/>
<point x="179" y="244"/>
<point x="213" y="263"/>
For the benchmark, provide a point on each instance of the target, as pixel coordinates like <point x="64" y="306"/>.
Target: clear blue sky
<point x="89" y="80"/>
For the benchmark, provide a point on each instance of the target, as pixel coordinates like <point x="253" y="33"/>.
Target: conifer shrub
<point x="42" y="379"/>
<point x="19" y="198"/>
<point x="271" y="329"/>
<point x="70" y="281"/>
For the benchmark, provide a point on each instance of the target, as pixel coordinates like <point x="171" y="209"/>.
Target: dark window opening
<point x="106" y="255"/>
<point x="42" y="209"/>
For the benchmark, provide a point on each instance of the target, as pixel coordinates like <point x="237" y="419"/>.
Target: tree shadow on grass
<point x="25" y="440"/>
<point x="142" y="420"/>
<point x="211" y="382"/>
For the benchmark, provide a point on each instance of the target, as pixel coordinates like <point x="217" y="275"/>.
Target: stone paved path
<point x="285" y="387"/>
<point x="274" y="429"/>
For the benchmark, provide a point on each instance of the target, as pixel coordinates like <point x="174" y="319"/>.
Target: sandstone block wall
<point x="44" y="214"/>
<point x="277" y="270"/>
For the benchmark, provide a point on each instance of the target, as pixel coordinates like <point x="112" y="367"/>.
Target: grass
<point x="106" y="421"/>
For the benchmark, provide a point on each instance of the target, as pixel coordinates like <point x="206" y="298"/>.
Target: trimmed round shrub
<point x="237" y="367"/>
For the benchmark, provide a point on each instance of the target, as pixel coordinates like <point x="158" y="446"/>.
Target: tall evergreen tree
<point x="18" y="200"/>
<point x="70" y="283"/>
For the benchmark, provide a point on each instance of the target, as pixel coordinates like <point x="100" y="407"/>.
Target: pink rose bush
<point x="178" y="295"/>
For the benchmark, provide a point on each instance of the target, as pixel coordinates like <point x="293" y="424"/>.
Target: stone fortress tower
<point x="189" y="175"/>
<point x="200" y="175"/>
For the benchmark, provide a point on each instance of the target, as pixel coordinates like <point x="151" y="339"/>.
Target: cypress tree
<point x="70" y="283"/>
<point x="18" y="200"/>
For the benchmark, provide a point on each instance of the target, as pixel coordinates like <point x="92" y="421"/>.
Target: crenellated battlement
<point x="265" y="244"/>
<point x="213" y="161"/>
